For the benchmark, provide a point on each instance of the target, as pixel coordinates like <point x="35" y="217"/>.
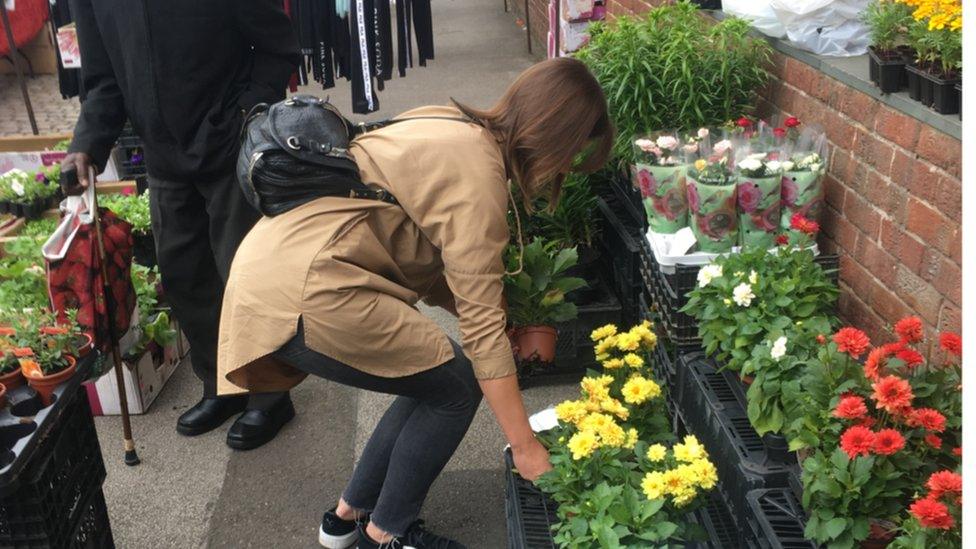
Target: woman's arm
<point x="530" y="456"/>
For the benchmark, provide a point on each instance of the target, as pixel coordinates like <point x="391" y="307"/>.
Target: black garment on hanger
<point x="363" y="56"/>
<point x="69" y="80"/>
<point x="384" y="42"/>
<point x="424" y="27"/>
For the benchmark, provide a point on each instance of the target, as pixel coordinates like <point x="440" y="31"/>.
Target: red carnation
<point x="928" y="419"/>
<point x="951" y="343"/>
<point x="944" y="482"/>
<point x="857" y="441"/>
<point x="782" y="240"/>
<point x="743" y="122"/>
<point x="932" y="514"/>
<point x="792" y="122"/>
<point x="888" y="441"/>
<point x="910" y="357"/>
<point x="851" y="407"/>
<point x="851" y="341"/>
<point x="779" y="132"/>
<point x="933" y="441"/>
<point x="892" y="393"/>
<point x="909" y="329"/>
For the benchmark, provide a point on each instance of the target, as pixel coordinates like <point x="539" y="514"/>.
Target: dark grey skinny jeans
<point x="413" y="441"/>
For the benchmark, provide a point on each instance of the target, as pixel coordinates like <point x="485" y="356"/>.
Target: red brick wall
<point x="538" y="19"/>
<point x="894" y="199"/>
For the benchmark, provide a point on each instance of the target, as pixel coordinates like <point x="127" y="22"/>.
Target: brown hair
<point x="554" y="111"/>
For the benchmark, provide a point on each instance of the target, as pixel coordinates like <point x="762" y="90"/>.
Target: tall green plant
<point x="888" y="22"/>
<point x="673" y="68"/>
<point x="573" y="222"/>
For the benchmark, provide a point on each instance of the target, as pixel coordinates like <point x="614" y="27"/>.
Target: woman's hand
<point x="531" y="460"/>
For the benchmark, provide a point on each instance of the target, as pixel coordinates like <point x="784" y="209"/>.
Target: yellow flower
<point x="674" y="482"/>
<point x="596" y="387"/>
<point x="613" y="406"/>
<point x="605" y="346"/>
<point x="603" y="332"/>
<point x="700" y="164"/>
<point x="634" y="361"/>
<point x="631" y="439"/>
<point x="657" y="452"/>
<point x="684" y="497"/>
<point x="628" y="342"/>
<point x="727" y="301"/>
<point x="690" y="450"/>
<point x="705" y="473"/>
<point x="653" y="485"/>
<point x="570" y="411"/>
<point x="613" y="435"/>
<point x="613" y="364"/>
<point x="639" y="389"/>
<point x="582" y="444"/>
<point x="596" y="422"/>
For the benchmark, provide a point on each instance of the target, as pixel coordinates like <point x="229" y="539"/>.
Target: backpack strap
<point x="366" y="127"/>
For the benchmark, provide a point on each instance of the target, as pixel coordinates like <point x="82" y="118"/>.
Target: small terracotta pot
<point x="86" y="345"/>
<point x="748" y="380"/>
<point x="45" y="385"/>
<point x="3" y="396"/>
<point x="882" y="533"/>
<point x="12" y="380"/>
<point x="537" y="342"/>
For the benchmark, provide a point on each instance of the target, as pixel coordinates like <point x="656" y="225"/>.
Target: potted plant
<point x="936" y="35"/>
<point x="28" y="194"/>
<point x="712" y="200"/>
<point x="946" y="74"/>
<point x="49" y="362"/>
<point x="134" y="209"/>
<point x="758" y="192"/>
<point x="887" y="21"/>
<point x="936" y="514"/>
<point x="537" y="297"/>
<point x="660" y="175"/>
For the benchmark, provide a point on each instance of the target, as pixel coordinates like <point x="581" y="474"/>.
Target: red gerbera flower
<point x="850" y="407"/>
<point x="888" y="441"/>
<point x="932" y="514"/>
<point x="792" y="122"/>
<point x="743" y="122"/>
<point x="951" y="343"/>
<point x="857" y="441"/>
<point x="782" y="240"/>
<point x="804" y="225"/>
<point x="909" y="329"/>
<point x="910" y="357"/>
<point x="928" y="419"/>
<point x="944" y="482"/>
<point x="875" y="362"/>
<point x="933" y="441"/>
<point x="851" y="341"/>
<point x="957" y="451"/>
<point x="892" y="393"/>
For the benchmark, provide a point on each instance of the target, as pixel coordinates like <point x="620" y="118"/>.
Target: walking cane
<point x="131" y="458"/>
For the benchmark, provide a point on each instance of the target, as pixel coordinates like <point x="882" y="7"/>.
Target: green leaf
<point x="835" y="527"/>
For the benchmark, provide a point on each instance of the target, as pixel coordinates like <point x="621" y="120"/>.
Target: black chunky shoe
<point x="417" y="537"/>
<point x="208" y="414"/>
<point x="257" y="427"/>
<point x="337" y="533"/>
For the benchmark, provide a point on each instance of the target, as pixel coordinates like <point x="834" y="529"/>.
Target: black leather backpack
<point x="297" y="150"/>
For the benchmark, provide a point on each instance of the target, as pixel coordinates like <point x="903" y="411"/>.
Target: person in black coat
<point x="185" y="73"/>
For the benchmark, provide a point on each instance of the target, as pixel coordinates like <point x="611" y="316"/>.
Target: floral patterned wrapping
<point x="759" y="210"/>
<point x="714" y="218"/>
<point x="802" y="193"/>
<point x="664" y="193"/>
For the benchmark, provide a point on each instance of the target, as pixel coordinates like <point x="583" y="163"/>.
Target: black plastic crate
<point x="93" y="530"/>
<point x="708" y="403"/>
<point x="574" y="348"/>
<point x="128" y="155"/>
<point x="775" y="520"/>
<point x="629" y="197"/>
<point x="620" y="247"/>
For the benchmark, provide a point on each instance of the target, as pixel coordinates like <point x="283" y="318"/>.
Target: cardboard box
<point x="27" y="152"/>
<point x="40" y="52"/>
<point x="144" y="377"/>
<point x="68" y="46"/>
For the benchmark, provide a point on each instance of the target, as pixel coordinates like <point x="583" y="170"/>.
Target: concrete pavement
<point x="195" y="492"/>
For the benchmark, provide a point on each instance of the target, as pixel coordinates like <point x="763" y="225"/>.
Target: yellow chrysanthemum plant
<point x="618" y="475"/>
<point x="936" y="34"/>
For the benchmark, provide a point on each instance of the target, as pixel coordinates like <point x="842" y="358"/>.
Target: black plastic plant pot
<point x="4" y="207"/>
<point x="777" y="448"/>
<point x="888" y="68"/>
<point x="959" y="92"/>
<point x="928" y="90"/>
<point x="144" y="249"/>
<point x="872" y="66"/>
<point x="945" y="96"/>
<point x="32" y="210"/>
<point x="708" y="4"/>
<point x="914" y="82"/>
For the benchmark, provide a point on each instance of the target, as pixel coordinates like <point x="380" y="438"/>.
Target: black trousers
<point x="198" y="227"/>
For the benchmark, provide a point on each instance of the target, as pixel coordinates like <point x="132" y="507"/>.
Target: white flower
<point x="753" y="277"/>
<point x="815" y="167"/>
<point x="645" y="145"/>
<point x="779" y="348"/>
<point x="690" y="148"/>
<point x="667" y="142"/>
<point x="759" y="155"/>
<point x="17" y="187"/>
<point x="774" y="166"/>
<point x="742" y="295"/>
<point x="722" y="146"/>
<point x="36" y="270"/>
<point x="702" y="133"/>
<point x="708" y="273"/>
<point x="750" y="164"/>
<point x="787" y="166"/>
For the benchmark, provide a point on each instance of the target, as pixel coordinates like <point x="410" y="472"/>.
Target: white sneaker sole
<point x="337" y="542"/>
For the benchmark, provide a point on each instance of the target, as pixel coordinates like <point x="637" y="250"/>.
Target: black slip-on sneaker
<point x="337" y="533"/>
<point x="417" y="537"/>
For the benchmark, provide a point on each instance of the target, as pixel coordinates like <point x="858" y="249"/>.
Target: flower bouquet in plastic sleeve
<point x="759" y="171"/>
<point x="712" y="197"/>
<point x="803" y="172"/>
<point x="662" y="163"/>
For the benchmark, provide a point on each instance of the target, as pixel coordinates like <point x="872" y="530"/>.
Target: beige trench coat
<point x="354" y="269"/>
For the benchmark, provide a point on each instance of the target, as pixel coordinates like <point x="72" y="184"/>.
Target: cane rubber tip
<point x="131" y="459"/>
